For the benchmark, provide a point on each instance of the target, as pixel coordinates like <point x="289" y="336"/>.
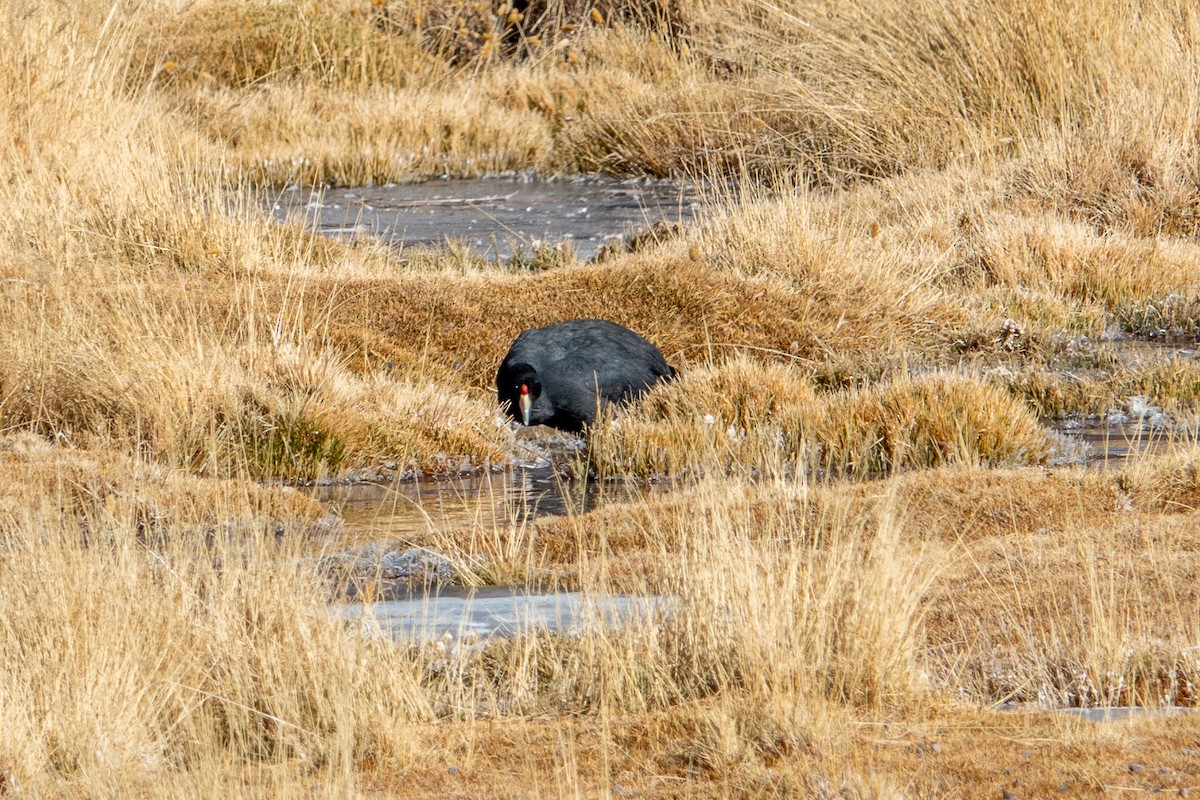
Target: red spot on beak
<point x="525" y="404"/>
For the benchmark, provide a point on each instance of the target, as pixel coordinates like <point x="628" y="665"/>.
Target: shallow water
<point x="495" y="611"/>
<point x="1144" y="352"/>
<point x="1110" y="441"/>
<point x="411" y="509"/>
<point x="1137" y="427"/>
<point x="414" y="586"/>
<point x="1124" y="713"/>
<point x="1108" y="714"/>
<point x="494" y="216"/>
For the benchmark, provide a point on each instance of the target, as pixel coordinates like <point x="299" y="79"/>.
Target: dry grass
<point x="937" y="219"/>
<point x="744" y="415"/>
<point x="809" y="625"/>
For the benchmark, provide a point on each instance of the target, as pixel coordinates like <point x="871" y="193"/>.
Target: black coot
<point x="558" y="375"/>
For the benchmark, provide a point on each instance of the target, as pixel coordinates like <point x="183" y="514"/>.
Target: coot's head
<point x="519" y="389"/>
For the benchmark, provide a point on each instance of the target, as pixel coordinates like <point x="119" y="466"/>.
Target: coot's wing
<point x="615" y="371"/>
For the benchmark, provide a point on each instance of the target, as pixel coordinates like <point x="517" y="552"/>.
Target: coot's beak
<point x="525" y="404"/>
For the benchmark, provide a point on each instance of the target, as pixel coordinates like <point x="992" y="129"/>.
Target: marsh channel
<point x="504" y="219"/>
<point x="415" y="593"/>
<point x="497" y="218"/>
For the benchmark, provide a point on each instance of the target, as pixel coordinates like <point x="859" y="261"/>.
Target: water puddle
<point x="408" y="511"/>
<point x="495" y="216"/>
<point x="1146" y="352"/>
<point x="1137" y="427"/>
<point x="1110" y="441"/>
<point x="413" y="591"/>
<point x="1123" y="713"/>
<point x="1105" y="714"/>
<point x="412" y="588"/>
<point x="496" y="611"/>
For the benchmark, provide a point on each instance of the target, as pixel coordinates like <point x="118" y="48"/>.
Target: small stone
<point x="1027" y="753"/>
<point x="1063" y="788"/>
<point x="935" y="747"/>
<point x="1010" y="332"/>
<point x="417" y="564"/>
<point x="452" y="771"/>
<point x="1186" y="751"/>
<point x="1183" y="791"/>
<point x="1135" y="768"/>
<point x="1007" y="795"/>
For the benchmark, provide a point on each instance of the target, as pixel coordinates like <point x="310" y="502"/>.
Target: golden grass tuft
<point x="837" y="595"/>
<point x="243" y="44"/>
<point x="857" y="94"/>
<point x="744" y="415"/>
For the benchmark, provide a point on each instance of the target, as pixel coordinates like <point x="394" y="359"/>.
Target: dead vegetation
<point x="939" y="223"/>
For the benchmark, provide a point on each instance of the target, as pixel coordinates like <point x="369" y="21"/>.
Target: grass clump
<point x="746" y="415"/>
<point x="836" y="596"/>
<point x="239" y="45"/>
<point x="928" y="422"/>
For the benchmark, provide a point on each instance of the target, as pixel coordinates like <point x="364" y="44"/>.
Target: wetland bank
<point x="941" y="237"/>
